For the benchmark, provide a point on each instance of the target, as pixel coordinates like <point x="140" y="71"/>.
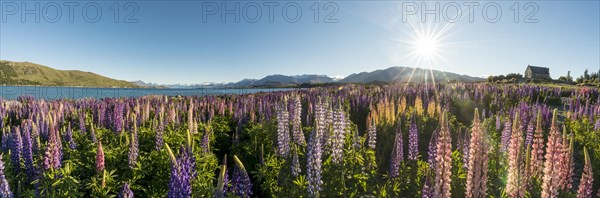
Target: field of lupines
<point x="453" y="140"/>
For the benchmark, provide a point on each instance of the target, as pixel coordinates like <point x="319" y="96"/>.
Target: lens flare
<point x="426" y="47"/>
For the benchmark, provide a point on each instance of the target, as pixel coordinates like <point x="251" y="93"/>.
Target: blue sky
<point x="190" y="42"/>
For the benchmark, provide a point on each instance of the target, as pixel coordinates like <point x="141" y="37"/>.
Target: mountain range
<point x="26" y="73"/>
<point x="407" y="74"/>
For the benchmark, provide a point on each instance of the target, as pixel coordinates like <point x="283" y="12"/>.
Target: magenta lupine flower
<point x="297" y="122"/>
<point x="413" y="139"/>
<point x="567" y="161"/>
<point x="443" y="165"/>
<point x="515" y="182"/>
<point x="465" y="145"/>
<point x="478" y="161"/>
<point x="283" y="132"/>
<point x="4" y="187"/>
<point x="339" y="135"/>
<point x="537" y="149"/>
<point x="99" y="158"/>
<point x="125" y="191"/>
<point x="397" y="152"/>
<point x="241" y="186"/>
<point x="53" y="154"/>
<point x="551" y="181"/>
<point x="587" y="178"/>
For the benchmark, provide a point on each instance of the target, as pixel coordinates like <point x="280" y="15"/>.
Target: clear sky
<point x="201" y="41"/>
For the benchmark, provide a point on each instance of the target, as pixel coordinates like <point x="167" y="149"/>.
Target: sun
<point x="426" y="47"/>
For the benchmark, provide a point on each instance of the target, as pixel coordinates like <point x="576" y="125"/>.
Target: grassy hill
<point x="25" y="73"/>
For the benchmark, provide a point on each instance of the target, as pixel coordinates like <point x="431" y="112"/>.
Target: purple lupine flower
<point x="506" y="133"/>
<point x="118" y="117"/>
<point x="327" y="134"/>
<point x="53" y="155"/>
<point x="183" y="171"/>
<point x="133" y="146"/>
<point x="427" y="191"/>
<point x="160" y="129"/>
<point x="93" y="134"/>
<point x="597" y="124"/>
<point x="397" y="152"/>
<point x="69" y="138"/>
<point x="432" y="149"/>
<point x="16" y="148"/>
<point x="296" y="170"/>
<point x="4" y="187"/>
<point x="339" y="135"/>
<point x="5" y="139"/>
<point x="371" y="132"/>
<point x="28" y="150"/>
<point x="297" y="122"/>
<point x="413" y="140"/>
<point x="99" y="158"/>
<point x="283" y="132"/>
<point x="205" y="144"/>
<point x="125" y="191"/>
<point x="240" y="182"/>
<point x="466" y="143"/>
<point x="223" y="181"/>
<point x="314" y="161"/>
<point x="529" y="135"/>
<point x="82" y="122"/>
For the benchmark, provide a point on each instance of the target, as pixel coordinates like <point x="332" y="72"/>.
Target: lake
<point x="52" y="93"/>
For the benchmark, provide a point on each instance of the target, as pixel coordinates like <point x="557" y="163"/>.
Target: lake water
<point x="52" y="93"/>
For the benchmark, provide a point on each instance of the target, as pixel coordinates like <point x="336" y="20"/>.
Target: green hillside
<point x="25" y="73"/>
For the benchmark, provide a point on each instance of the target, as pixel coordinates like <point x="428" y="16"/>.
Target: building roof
<point x="539" y="70"/>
